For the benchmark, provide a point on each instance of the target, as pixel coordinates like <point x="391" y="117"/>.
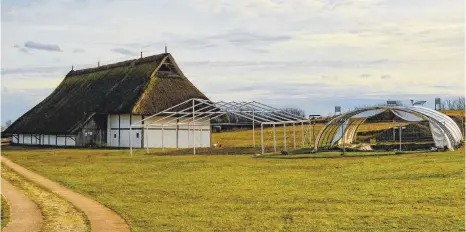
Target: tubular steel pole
<point x="253" y="131"/>
<point x="274" y="140"/>
<point x="302" y="134"/>
<point x="284" y="136"/>
<point x="194" y="132"/>
<point x="311" y="133"/>
<point x="262" y="137"/>
<point x="294" y="136"/>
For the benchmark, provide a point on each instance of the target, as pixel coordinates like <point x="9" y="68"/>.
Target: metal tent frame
<point x="195" y="112"/>
<point x="452" y="135"/>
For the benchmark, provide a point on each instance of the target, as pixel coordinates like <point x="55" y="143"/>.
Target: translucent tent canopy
<point x="343" y="128"/>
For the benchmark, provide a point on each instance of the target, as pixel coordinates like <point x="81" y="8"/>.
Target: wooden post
<point x="294" y="136"/>
<point x="274" y="140"/>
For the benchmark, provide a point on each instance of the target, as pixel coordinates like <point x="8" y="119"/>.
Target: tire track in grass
<point x="101" y="218"/>
<point x="24" y="214"/>
<point x="57" y="213"/>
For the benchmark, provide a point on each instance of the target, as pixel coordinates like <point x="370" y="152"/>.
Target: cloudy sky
<point x="312" y="54"/>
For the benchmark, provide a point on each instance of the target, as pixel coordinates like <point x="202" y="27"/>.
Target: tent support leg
<point x="262" y="138"/>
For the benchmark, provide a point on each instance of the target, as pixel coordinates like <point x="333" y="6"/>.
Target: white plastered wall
<point x="44" y="139"/>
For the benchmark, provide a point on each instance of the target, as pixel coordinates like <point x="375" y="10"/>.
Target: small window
<point x="137" y="135"/>
<point x="114" y="136"/>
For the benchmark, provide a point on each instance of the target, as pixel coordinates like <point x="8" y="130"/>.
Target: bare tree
<point x="6" y="125"/>
<point x="457" y="104"/>
<point x="294" y="110"/>
<point x="461" y="103"/>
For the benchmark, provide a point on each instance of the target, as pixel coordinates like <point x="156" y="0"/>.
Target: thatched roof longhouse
<point x="141" y="86"/>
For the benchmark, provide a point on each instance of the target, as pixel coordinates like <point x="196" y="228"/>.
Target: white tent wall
<point x="174" y="136"/>
<point x="439" y="136"/>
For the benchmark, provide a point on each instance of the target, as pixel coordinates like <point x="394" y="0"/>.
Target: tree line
<point x="456" y="104"/>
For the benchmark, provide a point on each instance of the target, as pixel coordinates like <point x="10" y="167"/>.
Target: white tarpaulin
<point x="407" y="116"/>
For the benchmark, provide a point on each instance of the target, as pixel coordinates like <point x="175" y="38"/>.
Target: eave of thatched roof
<point x="133" y="86"/>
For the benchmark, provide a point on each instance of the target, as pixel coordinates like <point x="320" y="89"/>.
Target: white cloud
<point x="283" y="49"/>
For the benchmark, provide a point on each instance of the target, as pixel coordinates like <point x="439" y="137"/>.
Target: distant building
<point x="96" y="106"/>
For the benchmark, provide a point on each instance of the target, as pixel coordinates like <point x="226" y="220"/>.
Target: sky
<point x="311" y="54"/>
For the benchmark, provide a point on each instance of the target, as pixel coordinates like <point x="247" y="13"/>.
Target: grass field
<point x="423" y="191"/>
<point x="244" y="138"/>
<point x="5" y="212"/>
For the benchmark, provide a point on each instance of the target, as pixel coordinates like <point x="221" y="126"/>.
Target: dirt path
<point x="101" y="218"/>
<point x="24" y="214"/>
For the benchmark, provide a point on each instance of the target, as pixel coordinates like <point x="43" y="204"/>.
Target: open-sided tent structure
<point x="196" y="114"/>
<point x="343" y="129"/>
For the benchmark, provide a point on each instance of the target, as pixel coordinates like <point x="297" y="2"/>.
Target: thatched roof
<point x="141" y="86"/>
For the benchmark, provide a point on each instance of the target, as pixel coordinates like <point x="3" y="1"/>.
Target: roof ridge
<point x="117" y="64"/>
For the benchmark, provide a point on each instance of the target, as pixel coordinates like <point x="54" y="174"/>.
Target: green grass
<point x="422" y="191"/>
<point x="5" y="212"/>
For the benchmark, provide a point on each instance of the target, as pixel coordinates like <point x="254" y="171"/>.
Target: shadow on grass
<point x="333" y="155"/>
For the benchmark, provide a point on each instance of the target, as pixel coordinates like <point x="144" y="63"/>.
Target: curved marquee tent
<point x="343" y="128"/>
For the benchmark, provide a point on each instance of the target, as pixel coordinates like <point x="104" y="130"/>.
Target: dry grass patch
<point x="5" y="212"/>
